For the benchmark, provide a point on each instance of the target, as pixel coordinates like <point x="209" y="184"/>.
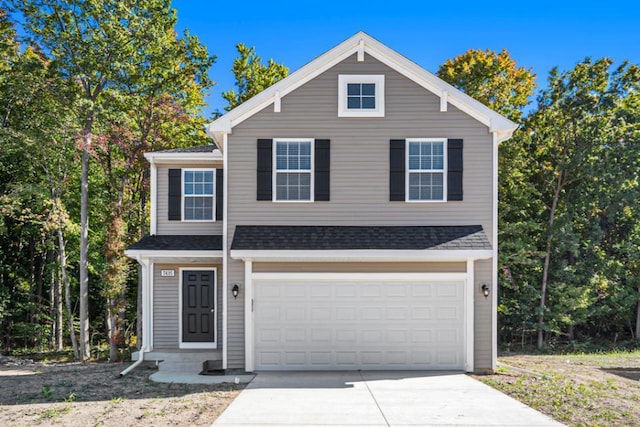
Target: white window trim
<point x="194" y="345"/>
<point x="275" y="170"/>
<point x="344" y="79"/>
<point x="407" y="171"/>
<point x="183" y="195"/>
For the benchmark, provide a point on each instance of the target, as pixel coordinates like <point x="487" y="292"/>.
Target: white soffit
<point x="496" y="123"/>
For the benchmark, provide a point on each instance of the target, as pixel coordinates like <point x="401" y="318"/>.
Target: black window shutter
<point x="454" y="169"/>
<point x="397" y="163"/>
<point x="175" y="194"/>
<point x="321" y="166"/>
<point x="265" y="151"/>
<point x="219" y="193"/>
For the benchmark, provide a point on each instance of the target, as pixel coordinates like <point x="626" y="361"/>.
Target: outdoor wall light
<point x="235" y="291"/>
<point x="485" y="290"/>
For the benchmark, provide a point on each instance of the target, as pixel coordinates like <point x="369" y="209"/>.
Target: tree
<point x="491" y="78"/>
<point x="574" y="129"/>
<point x="108" y="46"/>
<point x="252" y="77"/>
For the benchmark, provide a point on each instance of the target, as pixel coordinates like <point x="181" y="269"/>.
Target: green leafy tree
<point x="491" y="78"/>
<point x="109" y="46"/>
<point x="252" y="77"/>
<point x="573" y="131"/>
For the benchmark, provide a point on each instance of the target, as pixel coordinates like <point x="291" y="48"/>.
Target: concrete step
<point x="180" y="355"/>
<point x="187" y="366"/>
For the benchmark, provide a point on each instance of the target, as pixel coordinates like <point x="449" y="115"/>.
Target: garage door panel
<point x="354" y="325"/>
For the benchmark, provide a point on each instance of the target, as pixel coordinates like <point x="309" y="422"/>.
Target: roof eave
<point x="160" y="157"/>
<point x="361" y="255"/>
<point x="493" y="120"/>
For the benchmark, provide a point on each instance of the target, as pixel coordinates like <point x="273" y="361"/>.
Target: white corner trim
<point x="249" y="350"/>
<point x="494" y="261"/>
<point x="353" y="255"/>
<point x="195" y="345"/>
<point x="276" y="102"/>
<point x="225" y="255"/>
<point x="444" y="100"/>
<point x="424" y="78"/>
<point x="361" y="50"/>
<point x="470" y="291"/>
<point x="154" y="195"/>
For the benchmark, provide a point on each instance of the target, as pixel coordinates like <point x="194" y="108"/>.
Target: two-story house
<point x="346" y="220"/>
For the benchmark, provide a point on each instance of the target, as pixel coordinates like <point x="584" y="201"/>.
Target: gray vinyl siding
<point x="359" y="172"/>
<point x="482" y="343"/>
<point x="165" y="305"/>
<point x="164" y="226"/>
<point x="361" y="267"/>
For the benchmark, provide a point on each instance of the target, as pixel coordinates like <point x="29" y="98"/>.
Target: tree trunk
<point x="58" y="311"/>
<point x="113" y="330"/>
<point x="85" y="345"/>
<point x="67" y="293"/>
<point x="547" y="259"/>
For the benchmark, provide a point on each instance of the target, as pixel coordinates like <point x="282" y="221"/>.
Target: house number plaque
<point x="167" y="273"/>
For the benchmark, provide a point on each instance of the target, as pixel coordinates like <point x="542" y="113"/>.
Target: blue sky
<point x="538" y="35"/>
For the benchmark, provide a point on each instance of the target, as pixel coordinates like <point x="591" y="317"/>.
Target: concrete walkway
<point x="375" y="399"/>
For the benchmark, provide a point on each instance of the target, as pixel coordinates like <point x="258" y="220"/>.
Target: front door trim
<point x="201" y="345"/>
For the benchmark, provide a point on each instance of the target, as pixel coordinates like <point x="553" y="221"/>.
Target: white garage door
<point x="329" y="324"/>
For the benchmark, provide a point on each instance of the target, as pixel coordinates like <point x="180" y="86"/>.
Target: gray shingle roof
<point x="268" y="237"/>
<point x="198" y="149"/>
<point x="179" y="242"/>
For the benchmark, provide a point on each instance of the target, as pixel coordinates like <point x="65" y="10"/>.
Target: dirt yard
<point x="576" y="389"/>
<point x="92" y="394"/>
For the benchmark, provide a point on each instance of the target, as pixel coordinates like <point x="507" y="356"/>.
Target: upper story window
<point x="426" y="169"/>
<point x="293" y="177"/>
<point x="198" y="202"/>
<point x="360" y="95"/>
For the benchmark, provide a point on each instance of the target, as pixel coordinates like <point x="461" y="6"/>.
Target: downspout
<point x="145" y="310"/>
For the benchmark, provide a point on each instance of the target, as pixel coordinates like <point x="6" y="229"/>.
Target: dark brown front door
<point x="198" y="313"/>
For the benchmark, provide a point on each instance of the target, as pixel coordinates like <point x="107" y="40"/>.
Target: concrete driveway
<point x="375" y="399"/>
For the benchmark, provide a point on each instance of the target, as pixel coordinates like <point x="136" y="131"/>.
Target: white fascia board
<point x="477" y="110"/>
<point x="163" y="158"/>
<point x="168" y="254"/>
<point x="365" y="255"/>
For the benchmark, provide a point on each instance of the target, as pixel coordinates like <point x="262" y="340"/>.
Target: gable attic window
<point x="198" y="195"/>
<point x="293" y="174"/>
<point x="360" y="95"/>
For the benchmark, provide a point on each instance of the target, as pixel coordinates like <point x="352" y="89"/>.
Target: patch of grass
<point x="55" y="412"/>
<point x="576" y="389"/>
<point x="46" y="391"/>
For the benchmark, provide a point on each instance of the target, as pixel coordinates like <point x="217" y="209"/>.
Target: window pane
<point x="368" y="102"/>
<point x="305" y="162"/>
<point x="368" y="89"/>
<point x="414" y="148"/>
<point x="305" y="148"/>
<point x="414" y="162"/>
<point x="281" y="162"/>
<point x="198" y="208"/>
<point x="293" y="186"/>
<point x="353" y="89"/>
<point x="353" y="102"/>
<point x="426" y="186"/>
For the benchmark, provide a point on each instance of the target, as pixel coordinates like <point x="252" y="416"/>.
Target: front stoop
<point x="184" y="361"/>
